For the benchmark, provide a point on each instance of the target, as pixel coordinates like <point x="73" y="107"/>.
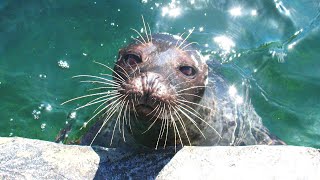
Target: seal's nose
<point x="150" y="84"/>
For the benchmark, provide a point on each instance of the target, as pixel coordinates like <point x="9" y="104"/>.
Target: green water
<point x="273" y="45"/>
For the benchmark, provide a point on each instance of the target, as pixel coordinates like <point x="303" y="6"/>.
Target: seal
<point x="162" y="93"/>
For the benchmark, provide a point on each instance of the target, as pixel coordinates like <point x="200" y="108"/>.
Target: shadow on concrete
<point x="127" y="164"/>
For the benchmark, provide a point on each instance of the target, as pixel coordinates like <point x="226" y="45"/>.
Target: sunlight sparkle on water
<point x="282" y="8"/>
<point x="254" y="12"/>
<point x="73" y="115"/>
<point x="63" y="64"/>
<point x="224" y="42"/>
<point x="43" y="126"/>
<point x="172" y="10"/>
<point x="290" y="46"/>
<point x="232" y="91"/>
<point x="239" y="100"/>
<point x="235" y="11"/>
<point x="49" y="107"/>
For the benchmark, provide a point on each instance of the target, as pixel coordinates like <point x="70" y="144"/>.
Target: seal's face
<point x="158" y="76"/>
<point x="156" y="91"/>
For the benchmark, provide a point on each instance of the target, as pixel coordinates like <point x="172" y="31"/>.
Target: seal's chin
<point x="144" y="109"/>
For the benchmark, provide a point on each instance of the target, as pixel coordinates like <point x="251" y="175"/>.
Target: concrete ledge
<point x="244" y="162"/>
<point x="34" y="159"/>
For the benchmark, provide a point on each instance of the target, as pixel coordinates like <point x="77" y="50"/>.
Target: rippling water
<point x="272" y="45"/>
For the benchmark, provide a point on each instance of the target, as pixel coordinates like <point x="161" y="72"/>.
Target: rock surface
<point x="244" y="162"/>
<point x="22" y="158"/>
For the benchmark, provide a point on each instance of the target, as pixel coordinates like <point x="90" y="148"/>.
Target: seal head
<point x="157" y="77"/>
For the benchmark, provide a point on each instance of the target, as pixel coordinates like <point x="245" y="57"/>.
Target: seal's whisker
<point x="104" y="87"/>
<point x="193" y="87"/>
<point x="195" y="104"/>
<point x="137" y="40"/>
<point x="120" y="80"/>
<point x="145" y="29"/>
<point x="109" y="94"/>
<point x="150" y="32"/>
<point x="123" y="80"/>
<point x="202" y="120"/>
<point x="162" y="124"/>
<point x="112" y="82"/>
<point x="178" y="132"/>
<point x="109" y="100"/>
<point x="124" y="120"/>
<point x="103" y="124"/>
<point x="177" y="85"/>
<point x="175" y="139"/>
<point x="188" y="94"/>
<point x="119" y="114"/>
<point x="157" y="112"/>
<point x="109" y="113"/>
<point x="135" y="98"/>
<point x="182" y="124"/>
<point x="134" y="70"/>
<point x="188" y="45"/>
<point x="167" y="132"/>
<point x="84" y="96"/>
<point x="134" y="110"/>
<point x="112" y="103"/>
<point x="164" y="115"/>
<point x="186" y="38"/>
<point x="100" y="82"/>
<point x="155" y="120"/>
<point x="167" y="78"/>
<point x="157" y="107"/>
<point x="191" y="50"/>
<point x="191" y="112"/>
<point x="129" y="120"/>
<point x="192" y="121"/>
<point x="180" y="38"/>
<point x="189" y="107"/>
<point x="120" y="108"/>
<point x="139" y="35"/>
<point x="92" y="103"/>
<point x="126" y="74"/>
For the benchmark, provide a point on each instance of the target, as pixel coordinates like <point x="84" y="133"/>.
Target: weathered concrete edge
<point x="244" y="162"/>
<point x="35" y="159"/>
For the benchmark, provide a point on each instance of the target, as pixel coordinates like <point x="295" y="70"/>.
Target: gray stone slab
<point x="244" y="162"/>
<point x="22" y="158"/>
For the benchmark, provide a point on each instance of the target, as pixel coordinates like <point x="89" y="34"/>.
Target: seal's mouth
<point x="144" y="109"/>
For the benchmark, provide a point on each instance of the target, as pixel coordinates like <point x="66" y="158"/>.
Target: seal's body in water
<point x="164" y="94"/>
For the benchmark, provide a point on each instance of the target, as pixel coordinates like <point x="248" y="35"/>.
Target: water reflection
<point x="282" y="9"/>
<point x="236" y="11"/>
<point x="172" y="9"/>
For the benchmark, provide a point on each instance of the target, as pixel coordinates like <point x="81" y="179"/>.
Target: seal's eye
<point x="131" y="59"/>
<point x="187" y="70"/>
